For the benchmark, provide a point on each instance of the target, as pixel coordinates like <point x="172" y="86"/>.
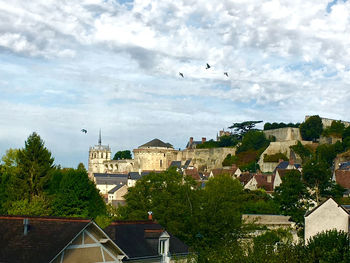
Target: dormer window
<point x="162" y="247"/>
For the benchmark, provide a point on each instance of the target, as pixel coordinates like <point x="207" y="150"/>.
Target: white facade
<point x="327" y="216"/>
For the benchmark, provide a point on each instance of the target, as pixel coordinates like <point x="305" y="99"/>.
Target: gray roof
<point x="194" y="143"/>
<point x="284" y="165"/>
<point x="110" y="179"/>
<point x="344" y="166"/>
<point x="156" y="143"/>
<point x="175" y="164"/>
<point x="116" y="188"/>
<point x="134" y="175"/>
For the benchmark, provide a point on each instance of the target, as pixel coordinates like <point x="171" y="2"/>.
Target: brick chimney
<point x="204" y="139"/>
<point x="150" y="215"/>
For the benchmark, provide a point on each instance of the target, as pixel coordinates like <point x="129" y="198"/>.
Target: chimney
<point x="280" y="160"/>
<point x="269" y="178"/>
<point x="150" y="215"/>
<point x="26" y="226"/>
<point x="204" y="139"/>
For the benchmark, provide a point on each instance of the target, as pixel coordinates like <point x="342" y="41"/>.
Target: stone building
<point x="154" y="155"/>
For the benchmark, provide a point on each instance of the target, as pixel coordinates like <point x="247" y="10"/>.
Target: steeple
<point x="99" y="138"/>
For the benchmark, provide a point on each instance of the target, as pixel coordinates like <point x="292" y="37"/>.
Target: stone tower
<point x="98" y="156"/>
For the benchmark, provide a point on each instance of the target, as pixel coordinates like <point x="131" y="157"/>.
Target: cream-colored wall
<point x="284" y="134"/>
<point x="206" y="158"/>
<point x="277" y="147"/>
<point x="252" y="184"/>
<point x="119" y="194"/>
<point x="105" y="188"/>
<point x="149" y="159"/>
<point x="326" y="217"/>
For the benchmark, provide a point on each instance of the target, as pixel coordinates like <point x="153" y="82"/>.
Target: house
<point x="280" y="173"/>
<point x="146" y="241"/>
<point x="270" y="222"/>
<point x="52" y="239"/>
<point x="193" y="144"/>
<point x="262" y="181"/>
<point x="116" y="195"/>
<point x="342" y="175"/>
<point x="192" y="172"/>
<point x="287" y="165"/>
<point x="106" y="182"/>
<point x="326" y="216"/>
<point x="233" y="171"/>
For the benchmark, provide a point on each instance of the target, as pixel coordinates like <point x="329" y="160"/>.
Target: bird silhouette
<point x="225" y="73"/>
<point x="84" y="131"/>
<point x="208" y="66"/>
<point x="182" y="75"/>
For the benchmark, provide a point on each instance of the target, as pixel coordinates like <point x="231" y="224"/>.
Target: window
<point x="161" y="247"/>
<point x="161" y="163"/>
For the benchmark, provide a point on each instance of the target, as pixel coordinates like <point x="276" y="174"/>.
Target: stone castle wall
<point x="204" y="159"/>
<point x="328" y="122"/>
<point x="284" y="134"/>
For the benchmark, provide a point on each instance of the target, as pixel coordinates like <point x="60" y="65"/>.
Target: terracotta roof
<point x="139" y="239"/>
<point x="229" y="171"/>
<point x="263" y="183"/>
<point x="193" y="173"/>
<point x="245" y="178"/>
<point x="342" y="177"/>
<point x="46" y="237"/>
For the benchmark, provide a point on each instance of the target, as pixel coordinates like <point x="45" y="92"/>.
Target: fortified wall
<point x="204" y="159"/>
<point x="328" y="122"/>
<point x="284" y="134"/>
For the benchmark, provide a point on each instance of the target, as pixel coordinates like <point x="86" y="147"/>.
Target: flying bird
<point x="182" y="75"/>
<point x="208" y="66"/>
<point x="84" y="131"/>
<point x="225" y="73"/>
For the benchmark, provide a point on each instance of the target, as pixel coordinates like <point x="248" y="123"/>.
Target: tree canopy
<point x="121" y="155"/>
<point x="312" y="128"/>
<point x="241" y="128"/>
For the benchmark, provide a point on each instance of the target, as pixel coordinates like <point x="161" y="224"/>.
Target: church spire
<point x="99" y="138"/>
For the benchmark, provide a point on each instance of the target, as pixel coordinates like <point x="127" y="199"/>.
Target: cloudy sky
<point x="72" y="64"/>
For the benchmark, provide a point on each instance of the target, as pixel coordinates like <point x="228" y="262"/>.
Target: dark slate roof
<point x="284" y="165"/>
<point x="116" y="188"/>
<point x="193" y="144"/>
<point x="134" y="175"/>
<point x="111" y="178"/>
<point x="139" y="239"/>
<point x="156" y="143"/>
<point x="175" y="164"/>
<point x="46" y="237"/>
<point x="344" y="166"/>
<point x="187" y="163"/>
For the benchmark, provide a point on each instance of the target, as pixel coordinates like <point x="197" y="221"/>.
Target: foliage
<point x="37" y="206"/>
<point x="121" y="155"/>
<point x="275" y="157"/>
<point x="35" y="164"/>
<point x="275" y="125"/>
<point x="312" y="128"/>
<point x="224" y="141"/>
<point x="208" y="144"/>
<point x="329" y="246"/>
<point x="241" y="128"/>
<point x="304" y="152"/>
<point x="81" y="167"/>
<point x="230" y="160"/>
<point x="317" y="176"/>
<point x="259" y="202"/>
<point x="336" y="129"/>
<point x="292" y="195"/>
<point x="327" y="152"/>
<point x="74" y="194"/>
<point x="253" y="140"/>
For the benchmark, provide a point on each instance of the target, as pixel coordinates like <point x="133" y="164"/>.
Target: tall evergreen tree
<point x="35" y="164"/>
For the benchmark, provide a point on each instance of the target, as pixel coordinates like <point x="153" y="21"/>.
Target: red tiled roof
<point x="229" y="171"/>
<point x="245" y="178"/>
<point x="193" y="173"/>
<point x="263" y="183"/>
<point x="342" y="177"/>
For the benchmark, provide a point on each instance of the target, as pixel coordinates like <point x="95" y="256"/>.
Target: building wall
<point x="328" y="122"/>
<point x="284" y="134"/>
<point x="149" y="159"/>
<point x="326" y="217"/>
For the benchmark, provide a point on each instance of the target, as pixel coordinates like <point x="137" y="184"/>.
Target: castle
<point x="155" y="155"/>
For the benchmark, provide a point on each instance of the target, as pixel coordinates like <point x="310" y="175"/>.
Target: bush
<point x="275" y="157"/>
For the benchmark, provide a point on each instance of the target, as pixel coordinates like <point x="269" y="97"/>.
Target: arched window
<point x="161" y="163"/>
<point x="95" y="155"/>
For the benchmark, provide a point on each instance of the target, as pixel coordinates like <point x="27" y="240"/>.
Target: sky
<point x="114" y="65"/>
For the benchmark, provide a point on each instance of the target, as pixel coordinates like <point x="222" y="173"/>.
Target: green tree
<point x="303" y="151"/>
<point x="312" y="128"/>
<point x="317" y="175"/>
<point x="121" y="155"/>
<point x="74" y="194"/>
<point x="253" y="140"/>
<point x="336" y="129"/>
<point x="241" y="128"/>
<point x="329" y="246"/>
<point x="37" y="206"/>
<point x="81" y="166"/>
<point x="292" y="196"/>
<point x="169" y="196"/>
<point x="35" y="164"/>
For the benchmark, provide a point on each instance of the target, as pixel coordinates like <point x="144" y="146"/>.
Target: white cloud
<point x="105" y="64"/>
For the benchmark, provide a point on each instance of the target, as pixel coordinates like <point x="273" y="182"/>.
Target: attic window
<point x="162" y="246"/>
